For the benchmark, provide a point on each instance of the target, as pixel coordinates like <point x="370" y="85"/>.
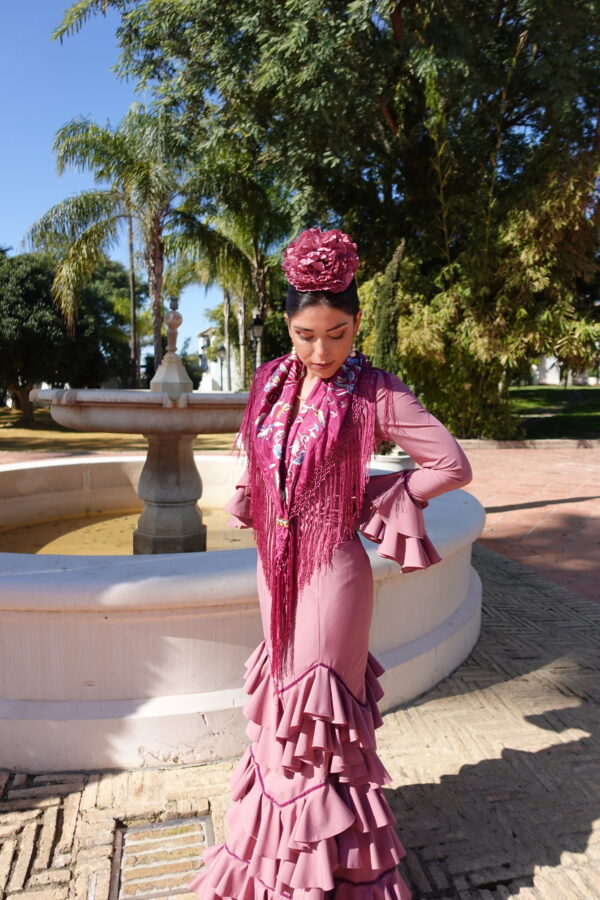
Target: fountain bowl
<point x="143" y="412"/>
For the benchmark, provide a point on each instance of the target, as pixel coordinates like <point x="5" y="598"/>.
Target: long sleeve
<point x="392" y="510"/>
<point x="401" y="418"/>
<point x="239" y="506"/>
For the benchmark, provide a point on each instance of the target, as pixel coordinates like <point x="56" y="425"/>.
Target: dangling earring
<point x="353" y="349"/>
<point x="293" y="352"/>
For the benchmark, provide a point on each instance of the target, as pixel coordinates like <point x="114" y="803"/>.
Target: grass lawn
<point x="553" y="411"/>
<point x="47" y="437"/>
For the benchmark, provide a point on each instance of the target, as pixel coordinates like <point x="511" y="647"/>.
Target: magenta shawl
<point x="306" y="478"/>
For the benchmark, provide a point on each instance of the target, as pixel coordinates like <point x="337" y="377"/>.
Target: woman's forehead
<point x="320" y="317"/>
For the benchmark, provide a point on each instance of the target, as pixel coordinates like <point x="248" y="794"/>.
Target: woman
<point x="309" y="820"/>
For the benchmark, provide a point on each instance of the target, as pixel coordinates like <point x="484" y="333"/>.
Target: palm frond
<point x="221" y="259"/>
<point x="70" y="219"/>
<point x="155" y="164"/>
<point x="79" y="263"/>
<point x="82" y="144"/>
<point x="78" y="14"/>
<point x="184" y="271"/>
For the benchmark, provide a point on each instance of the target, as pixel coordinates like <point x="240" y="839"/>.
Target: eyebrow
<point x="335" y="327"/>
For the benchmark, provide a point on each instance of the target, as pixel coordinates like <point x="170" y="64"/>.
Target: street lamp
<point x="255" y="331"/>
<point x="221" y="354"/>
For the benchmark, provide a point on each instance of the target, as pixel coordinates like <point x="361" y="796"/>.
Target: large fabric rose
<point x="321" y="261"/>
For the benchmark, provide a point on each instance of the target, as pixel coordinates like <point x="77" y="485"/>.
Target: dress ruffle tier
<point x="392" y="518"/>
<point x="308" y="814"/>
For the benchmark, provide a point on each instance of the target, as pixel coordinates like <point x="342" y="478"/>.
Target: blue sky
<point x="46" y="84"/>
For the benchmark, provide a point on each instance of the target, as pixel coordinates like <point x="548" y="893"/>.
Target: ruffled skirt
<point x="309" y="820"/>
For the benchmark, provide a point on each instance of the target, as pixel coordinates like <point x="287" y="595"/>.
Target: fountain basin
<point x="115" y="662"/>
<point x="143" y="412"/>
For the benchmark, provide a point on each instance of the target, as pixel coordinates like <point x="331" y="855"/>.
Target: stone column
<point x="170" y="487"/>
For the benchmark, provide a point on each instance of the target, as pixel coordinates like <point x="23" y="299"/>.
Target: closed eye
<point x="311" y="337"/>
<point x="334" y="337"/>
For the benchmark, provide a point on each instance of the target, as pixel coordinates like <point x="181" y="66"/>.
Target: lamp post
<point x="221" y="353"/>
<point x="255" y="331"/>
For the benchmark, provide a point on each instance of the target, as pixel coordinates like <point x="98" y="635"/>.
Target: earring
<point x="293" y="353"/>
<point x="353" y="350"/>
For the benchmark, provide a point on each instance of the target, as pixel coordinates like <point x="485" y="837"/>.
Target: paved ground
<point x="496" y="784"/>
<point x="543" y="510"/>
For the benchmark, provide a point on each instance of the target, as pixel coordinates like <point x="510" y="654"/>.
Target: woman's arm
<point x="401" y="418"/>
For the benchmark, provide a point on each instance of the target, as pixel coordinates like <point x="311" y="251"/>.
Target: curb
<point x="542" y="444"/>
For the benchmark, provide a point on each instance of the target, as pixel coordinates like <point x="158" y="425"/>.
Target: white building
<point x="221" y="374"/>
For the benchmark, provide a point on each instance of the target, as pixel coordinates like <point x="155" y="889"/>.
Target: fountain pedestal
<point x="170" y="487"/>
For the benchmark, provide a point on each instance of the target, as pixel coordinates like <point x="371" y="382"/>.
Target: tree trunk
<point x="24" y="404"/>
<point x="134" y="356"/>
<point x="226" y="308"/>
<point x="155" y="257"/>
<point x="241" y="317"/>
<point x="261" y="275"/>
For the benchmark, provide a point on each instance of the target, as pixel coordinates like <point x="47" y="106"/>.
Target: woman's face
<point x="322" y="337"/>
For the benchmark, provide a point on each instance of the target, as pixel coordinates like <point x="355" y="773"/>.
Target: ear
<point x="357" y="319"/>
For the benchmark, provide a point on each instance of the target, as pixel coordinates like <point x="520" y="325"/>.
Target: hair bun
<point x="321" y="261"/>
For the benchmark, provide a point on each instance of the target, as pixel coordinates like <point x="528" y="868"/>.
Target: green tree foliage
<point x="35" y="343"/>
<point x="458" y="143"/>
<point x="275" y="338"/>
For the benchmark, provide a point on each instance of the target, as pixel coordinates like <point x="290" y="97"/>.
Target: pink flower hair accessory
<point x="321" y="261"/>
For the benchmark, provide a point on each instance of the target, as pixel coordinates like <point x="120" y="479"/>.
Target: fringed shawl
<point x="298" y="519"/>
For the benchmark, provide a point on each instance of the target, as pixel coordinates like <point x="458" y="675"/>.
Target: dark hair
<point x="346" y="301"/>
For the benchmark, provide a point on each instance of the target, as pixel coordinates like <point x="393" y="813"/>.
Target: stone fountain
<point x="170" y="416"/>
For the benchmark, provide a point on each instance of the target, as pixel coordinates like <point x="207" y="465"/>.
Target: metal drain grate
<point x="158" y="859"/>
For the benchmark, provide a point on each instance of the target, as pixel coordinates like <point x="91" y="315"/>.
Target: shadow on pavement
<point x="507" y="786"/>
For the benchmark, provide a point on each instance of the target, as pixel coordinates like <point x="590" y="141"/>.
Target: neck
<point x="307" y="384"/>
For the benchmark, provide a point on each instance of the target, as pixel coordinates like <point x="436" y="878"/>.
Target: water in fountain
<point x="110" y="534"/>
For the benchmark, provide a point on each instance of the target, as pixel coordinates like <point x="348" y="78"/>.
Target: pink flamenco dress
<point x="309" y="820"/>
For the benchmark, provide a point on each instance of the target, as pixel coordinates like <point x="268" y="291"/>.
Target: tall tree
<point x="140" y="167"/>
<point x="238" y="242"/>
<point x="35" y="343"/>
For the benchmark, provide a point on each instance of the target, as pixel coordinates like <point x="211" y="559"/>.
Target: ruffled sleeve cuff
<point x="394" y="520"/>
<point x="239" y="506"/>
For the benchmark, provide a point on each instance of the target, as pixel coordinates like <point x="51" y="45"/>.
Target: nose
<point x="320" y="352"/>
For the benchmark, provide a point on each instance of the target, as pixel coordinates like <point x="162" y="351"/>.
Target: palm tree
<point x="139" y="169"/>
<point x="237" y="246"/>
<point x="226" y="268"/>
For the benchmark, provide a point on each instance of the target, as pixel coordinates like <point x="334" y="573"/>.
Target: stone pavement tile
<point x="46" y="839"/>
<point x="24" y="857"/>
<point x="58" y="892"/>
<point x="543" y="508"/>
<point x="7" y="854"/>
